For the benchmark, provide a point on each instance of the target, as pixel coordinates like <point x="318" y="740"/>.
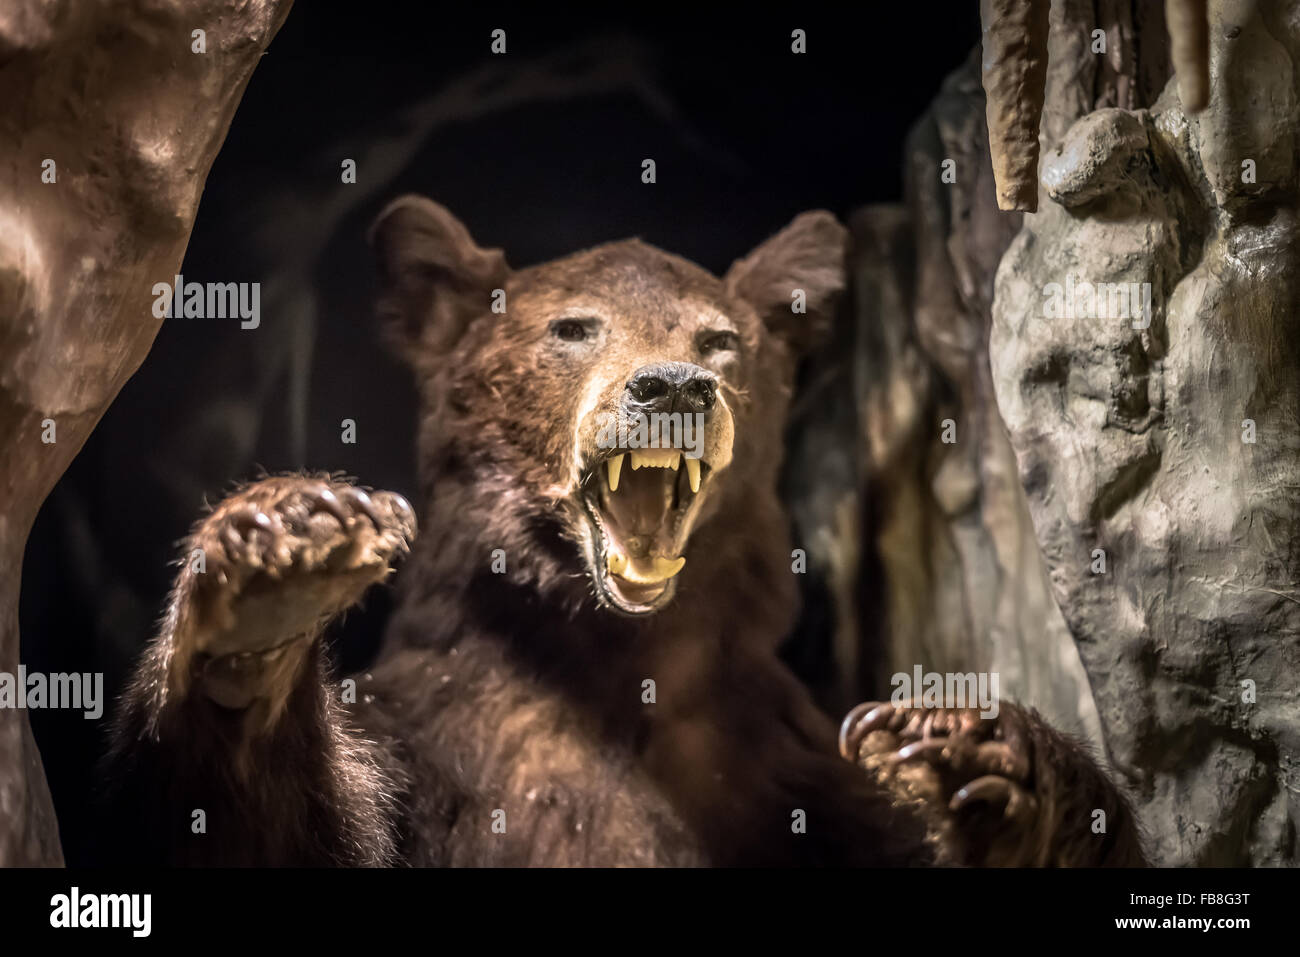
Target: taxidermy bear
<point x="582" y="667"/>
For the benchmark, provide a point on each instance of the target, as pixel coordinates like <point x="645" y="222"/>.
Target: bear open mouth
<point x="642" y="503"/>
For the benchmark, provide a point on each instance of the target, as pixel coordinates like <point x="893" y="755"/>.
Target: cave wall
<point x="1114" y="528"/>
<point x="1168" y="445"/>
<point x="108" y="134"/>
<point x="958" y="573"/>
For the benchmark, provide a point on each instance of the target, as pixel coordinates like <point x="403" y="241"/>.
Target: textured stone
<point x="1014" y="74"/>
<point x="1133" y="439"/>
<point x="1189" y="50"/>
<point x="1095" y="158"/>
<point x="961" y="584"/>
<point x="132" y="119"/>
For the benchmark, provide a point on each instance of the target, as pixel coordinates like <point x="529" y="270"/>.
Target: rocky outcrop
<point x="1145" y="348"/>
<point x="1122" y="48"/>
<point x="1138" y="398"/>
<point x="951" y="577"/>
<point x="108" y="136"/>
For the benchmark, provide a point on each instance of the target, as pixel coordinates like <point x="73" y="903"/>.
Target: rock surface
<point x="960" y="582"/>
<point x="1168" y="445"/>
<point x="108" y="136"/>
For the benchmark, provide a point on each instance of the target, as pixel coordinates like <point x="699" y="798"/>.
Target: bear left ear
<point x="794" y="280"/>
<point x="434" y="279"/>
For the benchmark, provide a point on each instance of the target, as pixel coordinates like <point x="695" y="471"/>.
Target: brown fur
<point x="517" y="691"/>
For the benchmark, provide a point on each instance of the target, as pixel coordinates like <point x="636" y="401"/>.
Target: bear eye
<point x="572" y="330"/>
<point x="719" y="342"/>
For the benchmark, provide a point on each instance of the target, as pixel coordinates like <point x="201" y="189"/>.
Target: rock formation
<point x="955" y="569"/>
<point x="1156" y="449"/>
<point x="108" y="136"/>
<point x="1144" y="351"/>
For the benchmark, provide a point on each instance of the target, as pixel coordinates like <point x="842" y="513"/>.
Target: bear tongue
<point x="642" y="501"/>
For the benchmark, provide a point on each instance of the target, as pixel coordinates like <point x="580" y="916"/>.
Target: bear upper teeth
<point x="656" y="459"/>
<point x="653" y="459"/>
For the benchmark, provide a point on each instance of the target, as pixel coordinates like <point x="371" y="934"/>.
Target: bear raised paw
<point x="231" y="700"/>
<point x="267" y="569"/>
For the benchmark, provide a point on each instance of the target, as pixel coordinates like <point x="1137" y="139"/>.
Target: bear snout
<point x="671" y="387"/>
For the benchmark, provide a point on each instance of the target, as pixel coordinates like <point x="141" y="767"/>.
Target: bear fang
<point x="103" y="910"/>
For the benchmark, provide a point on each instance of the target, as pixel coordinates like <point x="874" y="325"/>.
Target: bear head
<point x="612" y="420"/>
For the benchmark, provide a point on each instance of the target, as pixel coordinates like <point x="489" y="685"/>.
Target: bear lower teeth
<point x="660" y="569"/>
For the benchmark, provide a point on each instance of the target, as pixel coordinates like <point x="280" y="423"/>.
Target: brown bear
<point x="582" y="666"/>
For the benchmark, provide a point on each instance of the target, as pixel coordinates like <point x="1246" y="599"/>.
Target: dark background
<point x="538" y="152"/>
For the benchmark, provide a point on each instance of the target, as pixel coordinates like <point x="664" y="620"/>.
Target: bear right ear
<point x="433" y="277"/>
<point x="802" y="264"/>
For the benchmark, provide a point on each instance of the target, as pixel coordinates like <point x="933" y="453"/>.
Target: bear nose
<point x="672" y="387"/>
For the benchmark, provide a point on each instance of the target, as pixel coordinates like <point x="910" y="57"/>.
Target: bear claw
<point x="860" y="722"/>
<point x="950" y="759"/>
<point x="993" y="789"/>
